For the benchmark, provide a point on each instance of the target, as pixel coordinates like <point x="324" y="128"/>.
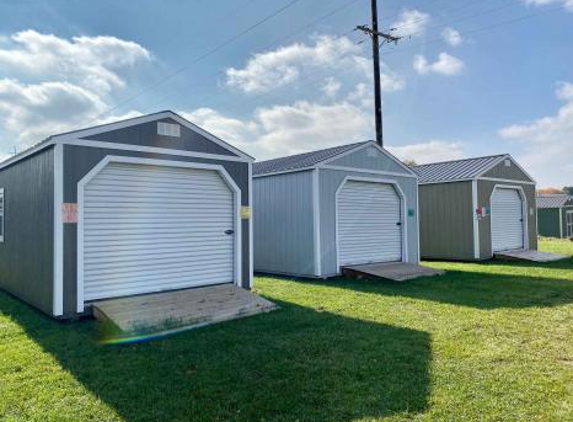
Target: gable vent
<point x="507" y="163"/>
<point x="168" y="129"/>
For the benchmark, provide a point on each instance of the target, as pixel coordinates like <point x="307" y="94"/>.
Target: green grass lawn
<point x="486" y="342"/>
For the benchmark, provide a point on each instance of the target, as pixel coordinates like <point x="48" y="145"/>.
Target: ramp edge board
<point x="528" y="256"/>
<point x="396" y="271"/>
<point x="171" y="312"/>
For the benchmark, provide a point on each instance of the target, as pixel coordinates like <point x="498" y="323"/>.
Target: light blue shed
<point x="319" y="211"/>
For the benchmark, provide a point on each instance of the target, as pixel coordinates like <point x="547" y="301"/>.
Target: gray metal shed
<point x="473" y="208"/>
<point x="318" y="211"/>
<point x="555" y="215"/>
<point x="143" y="205"/>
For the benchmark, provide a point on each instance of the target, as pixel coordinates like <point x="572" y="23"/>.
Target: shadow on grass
<point x="292" y="364"/>
<point x="482" y="290"/>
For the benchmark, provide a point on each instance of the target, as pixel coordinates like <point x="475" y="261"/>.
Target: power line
<point x="198" y="59"/>
<point x="274" y="42"/>
<point x="321" y="74"/>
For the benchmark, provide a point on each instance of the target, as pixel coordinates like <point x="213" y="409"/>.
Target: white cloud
<point x="547" y="142"/>
<point x="90" y="62"/>
<point x="35" y="110"/>
<point x="445" y="65"/>
<point x="331" y="86"/>
<point x="412" y="22"/>
<point x="452" y="36"/>
<point x="276" y="68"/>
<point x="289" y="129"/>
<point x="429" y="152"/>
<point x="567" y="4"/>
<point x="67" y="82"/>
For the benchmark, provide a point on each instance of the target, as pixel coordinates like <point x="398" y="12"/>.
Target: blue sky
<point x="469" y="78"/>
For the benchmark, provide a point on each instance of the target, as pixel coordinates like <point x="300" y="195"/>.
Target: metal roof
<point x="300" y="161"/>
<point x="557" y="200"/>
<point x="449" y="171"/>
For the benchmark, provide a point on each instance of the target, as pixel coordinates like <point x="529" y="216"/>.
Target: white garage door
<point x="506" y="220"/>
<point x="153" y="228"/>
<point x="369" y="223"/>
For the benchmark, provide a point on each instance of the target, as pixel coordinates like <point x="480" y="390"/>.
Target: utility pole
<point x="387" y="38"/>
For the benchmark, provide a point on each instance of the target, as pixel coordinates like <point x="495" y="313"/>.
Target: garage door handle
<point x="399" y="223"/>
<point x="229" y="232"/>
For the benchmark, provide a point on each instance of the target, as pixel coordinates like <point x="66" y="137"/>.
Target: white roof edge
<point x="276" y="173"/>
<point x="149" y="118"/>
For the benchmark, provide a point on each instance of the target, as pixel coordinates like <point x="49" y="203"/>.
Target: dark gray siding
<point x="283" y="224"/>
<point x="446" y="226"/>
<point x="26" y="256"/>
<point x="485" y="190"/>
<point x="548" y="222"/>
<point x="330" y="180"/>
<point x="145" y="134"/>
<point x="78" y="161"/>
<point x="501" y="171"/>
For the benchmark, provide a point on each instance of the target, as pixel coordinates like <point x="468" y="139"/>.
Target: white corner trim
<point x="366" y="171"/>
<point x="156" y="162"/>
<point x="418" y="236"/>
<point x="475" y="220"/>
<point x="316" y="222"/>
<point x="82" y="133"/>
<point x="251" y="224"/>
<point x="152" y="150"/>
<point x="403" y="205"/>
<point x="58" y="289"/>
<point x="560" y="223"/>
<point x="524" y="213"/>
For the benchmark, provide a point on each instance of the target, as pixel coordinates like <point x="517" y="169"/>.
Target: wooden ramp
<point x="180" y="310"/>
<point x="395" y="271"/>
<point x="529" y="256"/>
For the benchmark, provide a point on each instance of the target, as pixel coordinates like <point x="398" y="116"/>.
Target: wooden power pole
<point x="376" y="35"/>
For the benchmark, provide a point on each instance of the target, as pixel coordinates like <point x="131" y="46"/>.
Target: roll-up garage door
<point x="369" y="223"/>
<point x="506" y="220"/>
<point x="154" y="228"/>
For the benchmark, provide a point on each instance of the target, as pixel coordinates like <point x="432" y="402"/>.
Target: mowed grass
<point x="486" y="342"/>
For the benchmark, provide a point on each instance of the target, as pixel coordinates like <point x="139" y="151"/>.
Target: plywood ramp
<point x="394" y="271"/>
<point x="529" y="256"/>
<point x="181" y="309"/>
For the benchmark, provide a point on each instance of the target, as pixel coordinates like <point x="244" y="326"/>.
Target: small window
<point x="507" y="163"/>
<point x="1" y="214"/>
<point x="168" y="129"/>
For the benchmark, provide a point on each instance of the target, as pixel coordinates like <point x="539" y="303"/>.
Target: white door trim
<point x="403" y="213"/>
<point x="155" y="162"/>
<point x="524" y="213"/>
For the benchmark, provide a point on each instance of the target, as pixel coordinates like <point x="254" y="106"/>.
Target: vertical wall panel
<point x="548" y="222"/>
<point x="446" y="227"/>
<point x="283" y="224"/>
<point x="26" y="255"/>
